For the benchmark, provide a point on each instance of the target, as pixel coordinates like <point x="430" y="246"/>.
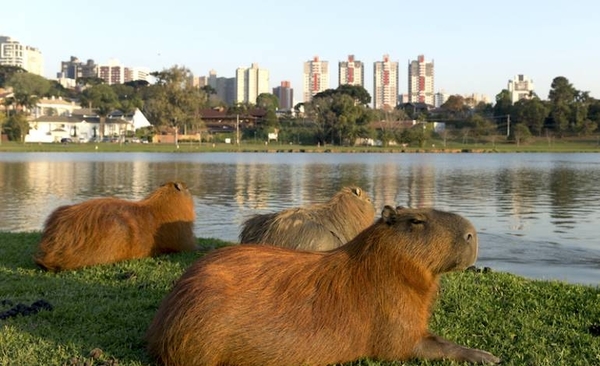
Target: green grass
<point x="589" y="144"/>
<point x="100" y="313"/>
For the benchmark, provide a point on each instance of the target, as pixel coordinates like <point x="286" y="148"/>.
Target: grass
<point x="590" y="144"/>
<point x="100" y="313"/>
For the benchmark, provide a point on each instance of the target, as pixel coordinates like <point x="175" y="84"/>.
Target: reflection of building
<point x="315" y="77"/>
<point x="13" y="53"/>
<point x="351" y="72"/>
<point x="285" y="94"/>
<point x="250" y="83"/>
<point x="385" y="84"/>
<point x="420" y="81"/>
<point x="520" y="88"/>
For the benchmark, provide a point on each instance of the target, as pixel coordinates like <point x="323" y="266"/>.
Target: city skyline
<point x="476" y="48"/>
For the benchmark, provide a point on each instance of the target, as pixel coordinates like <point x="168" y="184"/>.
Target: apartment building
<point x="351" y="72"/>
<point x="385" y="83"/>
<point x="74" y="69"/>
<point x="137" y="73"/>
<point x="315" y="78"/>
<point x="13" y="53"/>
<point x="112" y="73"/>
<point x="520" y="87"/>
<point x="285" y="94"/>
<point x="250" y="83"/>
<point x="421" y="81"/>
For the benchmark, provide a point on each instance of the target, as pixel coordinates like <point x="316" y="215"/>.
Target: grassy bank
<point x="591" y="144"/>
<point x="99" y="314"/>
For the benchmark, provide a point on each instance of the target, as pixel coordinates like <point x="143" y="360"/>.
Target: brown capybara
<point x="107" y="230"/>
<point x="371" y="298"/>
<point x="321" y="226"/>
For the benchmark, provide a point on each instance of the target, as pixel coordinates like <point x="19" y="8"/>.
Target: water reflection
<point x="537" y="213"/>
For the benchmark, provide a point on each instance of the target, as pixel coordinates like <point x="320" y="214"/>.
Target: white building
<point x="250" y="83"/>
<point x="520" y="87"/>
<point x="112" y="72"/>
<point x="421" y="81"/>
<point x="351" y="72"/>
<point x="13" y="53"/>
<point x="315" y="78"/>
<point x="385" y="83"/>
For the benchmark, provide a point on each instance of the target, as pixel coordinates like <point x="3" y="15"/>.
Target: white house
<point x="82" y="127"/>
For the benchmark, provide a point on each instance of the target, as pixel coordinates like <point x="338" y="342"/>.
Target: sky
<point x="476" y="46"/>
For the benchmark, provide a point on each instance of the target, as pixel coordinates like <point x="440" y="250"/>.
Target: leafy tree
<point x="89" y="81"/>
<point x="173" y="101"/>
<point x="531" y="112"/>
<point x="7" y="71"/>
<point x="103" y="99"/>
<point x="561" y="98"/>
<point x="359" y="94"/>
<point x="503" y="104"/>
<point x="455" y="108"/>
<point x="267" y="101"/>
<point x="521" y="133"/>
<point x="129" y="98"/>
<point x="28" y="88"/>
<point x="16" y="127"/>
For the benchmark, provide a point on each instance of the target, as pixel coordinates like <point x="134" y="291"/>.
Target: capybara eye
<point x="416" y="221"/>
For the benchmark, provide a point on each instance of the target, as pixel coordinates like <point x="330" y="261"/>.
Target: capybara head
<point x="442" y="241"/>
<point x="250" y="305"/>
<point x="107" y="230"/>
<point x="321" y="226"/>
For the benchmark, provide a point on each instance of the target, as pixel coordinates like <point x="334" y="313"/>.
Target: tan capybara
<point x="321" y="226"/>
<point x="107" y="230"/>
<point x="250" y="305"/>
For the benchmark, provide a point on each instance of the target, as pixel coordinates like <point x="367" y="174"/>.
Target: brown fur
<point x="321" y="226"/>
<point x="262" y="305"/>
<point x="107" y="230"/>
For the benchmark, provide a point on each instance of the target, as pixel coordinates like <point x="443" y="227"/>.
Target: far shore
<point x="541" y="145"/>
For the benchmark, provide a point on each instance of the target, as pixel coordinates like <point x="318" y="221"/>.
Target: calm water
<point x="538" y="215"/>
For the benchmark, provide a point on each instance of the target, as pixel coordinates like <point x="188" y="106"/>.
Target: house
<point x="218" y="120"/>
<point x="83" y="125"/>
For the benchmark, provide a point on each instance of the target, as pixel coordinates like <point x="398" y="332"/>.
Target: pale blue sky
<point x="477" y="46"/>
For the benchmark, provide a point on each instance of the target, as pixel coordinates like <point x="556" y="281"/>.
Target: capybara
<point x="371" y="298"/>
<point x="107" y="230"/>
<point x="321" y="226"/>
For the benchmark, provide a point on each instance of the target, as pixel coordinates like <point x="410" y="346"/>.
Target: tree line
<point x="340" y="116"/>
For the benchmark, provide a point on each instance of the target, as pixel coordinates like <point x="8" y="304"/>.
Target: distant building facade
<point x="421" y="81"/>
<point x="285" y="94"/>
<point x="385" y="83"/>
<point x="315" y="78"/>
<point x="136" y="73"/>
<point x="440" y="98"/>
<point x="74" y="69"/>
<point x="112" y="73"/>
<point x="351" y="72"/>
<point x="13" y="53"/>
<point x="520" y="87"/>
<point x="250" y="83"/>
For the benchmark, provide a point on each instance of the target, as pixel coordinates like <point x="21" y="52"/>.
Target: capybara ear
<point x="179" y="186"/>
<point x="388" y="214"/>
<point x="356" y="191"/>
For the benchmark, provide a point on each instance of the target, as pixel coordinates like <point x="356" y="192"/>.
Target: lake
<point x="538" y="215"/>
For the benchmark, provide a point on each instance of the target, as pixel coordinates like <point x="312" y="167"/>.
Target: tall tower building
<point x="420" y="81"/>
<point x="250" y="83"/>
<point x="74" y="69"/>
<point x="351" y="72"/>
<point x="520" y="87"/>
<point x="13" y="53"/>
<point x="112" y="73"/>
<point x="385" y="83"/>
<point x="315" y="78"/>
<point x="285" y="94"/>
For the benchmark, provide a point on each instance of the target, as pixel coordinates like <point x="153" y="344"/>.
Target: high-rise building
<point x="420" y="81"/>
<point x="250" y="83"/>
<point x="351" y="72"/>
<point x="520" y="87"/>
<point x="285" y="94"/>
<point x="74" y="69"/>
<point x="112" y="73"/>
<point x="315" y="77"/>
<point x="226" y="89"/>
<point x="385" y="83"/>
<point x="13" y="53"/>
<point x="136" y="73"/>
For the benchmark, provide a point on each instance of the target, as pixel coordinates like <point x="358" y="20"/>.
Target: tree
<point x="7" y="71"/>
<point x="267" y="101"/>
<point x="103" y="99"/>
<point x="28" y="88"/>
<point x="173" y="101"/>
<point x="532" y="113"/>
<point x="561" y="98"/>
<point x="16" y="127"/>
<point x="521" y="133"/>
<point x="359" y="94"/>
